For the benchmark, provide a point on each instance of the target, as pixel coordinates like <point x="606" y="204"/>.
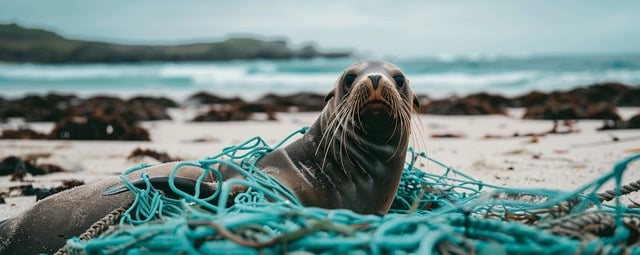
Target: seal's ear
<point x="416" y="102"/>
<point x="329" y="96"/>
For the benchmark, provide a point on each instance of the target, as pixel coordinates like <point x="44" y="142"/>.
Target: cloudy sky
<point x="402" y="29"/>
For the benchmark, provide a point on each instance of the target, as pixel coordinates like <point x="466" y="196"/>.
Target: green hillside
<point x="18" y="44"/>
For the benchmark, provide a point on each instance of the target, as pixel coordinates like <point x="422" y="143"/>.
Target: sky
<point x="380" y="28"/>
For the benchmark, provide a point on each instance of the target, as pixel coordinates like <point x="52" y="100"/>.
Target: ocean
<point x="435" y="77"/>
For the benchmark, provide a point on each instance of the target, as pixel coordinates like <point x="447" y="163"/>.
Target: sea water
<point x="433" y="76"/>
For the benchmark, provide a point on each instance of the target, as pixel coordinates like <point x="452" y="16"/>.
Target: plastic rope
<point x="448" y="213"/>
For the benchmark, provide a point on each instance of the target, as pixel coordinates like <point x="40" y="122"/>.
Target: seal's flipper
<point x="162" y="183"/>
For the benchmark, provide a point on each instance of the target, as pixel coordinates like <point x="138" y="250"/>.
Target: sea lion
<point x="351" y="157"/>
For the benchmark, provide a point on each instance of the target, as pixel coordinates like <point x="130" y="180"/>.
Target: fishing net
<point x="446" y="213"/>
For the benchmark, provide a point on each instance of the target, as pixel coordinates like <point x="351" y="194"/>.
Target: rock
<point x="532" y="98"/>
<point x="54" y="107"/>
<point x="258" y="108"/>
<point x="223" y="113"/>
<point x="105" y="106"/>
<point x="448" y="135"/>
<point x="99" y="126"/>
<point x="42" y="169"/>
<point x="51" y="107"/>
<point x="602" y="110"/>
<point x="133" y="110"/>
<point x="19" y="167"/>
<point x="600" y="92"/>
<point x="160" y="156"/>
<point x="597" y="101"/>
<point x="160" y="101"/>
<point x="299" y="102"/>
<point x="42" y="193"/>
<point x="22" y="190"/>
<point x="568" y="107"/>
<point x="631" y="98"/>
<point x="476" y="104"/>
<point x="11" y="164"/>
<point x="147" y="108"/>
<point x="204" y="98"/>
<point x="22" y="133"/>
<point x="632" y="123"/>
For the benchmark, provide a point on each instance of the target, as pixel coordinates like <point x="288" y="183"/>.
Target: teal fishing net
<point x="447" y="213"/>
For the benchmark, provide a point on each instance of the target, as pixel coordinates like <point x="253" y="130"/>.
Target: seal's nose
<point x="374" y="80"/>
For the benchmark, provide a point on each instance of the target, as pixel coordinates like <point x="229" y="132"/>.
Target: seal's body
<point x="45" y="227"/>
<point x="351" y="157"/>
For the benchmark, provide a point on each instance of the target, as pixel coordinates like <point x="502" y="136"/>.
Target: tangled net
<point x="449" y="213"/>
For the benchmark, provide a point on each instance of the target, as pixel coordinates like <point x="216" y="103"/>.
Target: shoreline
<point x="555" y="161"/>
<point x="184" y="95"/>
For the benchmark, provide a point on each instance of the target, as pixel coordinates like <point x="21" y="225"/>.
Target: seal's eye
<point x="348" y="80"/>
<point x="399" y="80"/>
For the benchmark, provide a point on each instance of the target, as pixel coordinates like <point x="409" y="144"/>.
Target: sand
<point x="556" y="161"/>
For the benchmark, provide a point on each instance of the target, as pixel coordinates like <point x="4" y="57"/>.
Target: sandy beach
<point x="486" y="149"/>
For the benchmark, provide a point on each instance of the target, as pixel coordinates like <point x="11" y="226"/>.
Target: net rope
<point x="447" y="213"/>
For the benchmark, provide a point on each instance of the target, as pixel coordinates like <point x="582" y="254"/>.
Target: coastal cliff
<point x="19" y="44"/>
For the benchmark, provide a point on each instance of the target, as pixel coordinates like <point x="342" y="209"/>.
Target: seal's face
<point x="376" y="96"/>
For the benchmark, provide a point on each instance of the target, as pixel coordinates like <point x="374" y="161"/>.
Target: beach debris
<point x="299" y="102"/>
<point x="632" y="150"/>
<point x="160" y="156"/>
<point x="567" y="127"/>
<point x="203" y="139"/>
<point x="614" y="139"/>
<point x="617" y="93"/>
<point x="630" y="98"/>
<point x="571" y="109"/>
<point x="51" y="107"/>
<point x="18" y="167"/>
<point x="10" y="164"/>
<point x="99" y="125"/>
<point x="516" y="152"/>
<point x="55" y="107"/>
<point x="40" y="193"/>
<point x="204" y="98"/>
<point x="223" y="113"/>
<point x="259" y="108"/>
<point x="132" y="112"/>
<point x="597" y="101"/>
<point x="566" y="124"/>
<point x="150" y="108"/>
<point x="448" y="135"/>
<point x="22" y="133"/>
<point x="534" y="155"/>
<point x="476" y="104"/>
<point x="229" y="109"/>
<point x="632" y="123"/>
<point x="19" y="191"/>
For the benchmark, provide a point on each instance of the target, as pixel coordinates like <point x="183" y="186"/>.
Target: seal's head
<point x="375" y="97"/>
